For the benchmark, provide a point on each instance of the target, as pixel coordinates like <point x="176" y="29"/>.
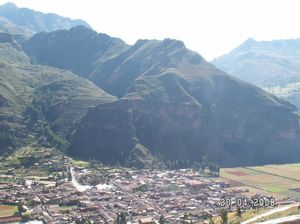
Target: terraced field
<point x="277" y="180"/>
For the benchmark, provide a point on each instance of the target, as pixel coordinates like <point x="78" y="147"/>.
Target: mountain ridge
<point x="268" y="64"/>
<point x="36" y="100"/>
<point x="26" y="21"/>
<point x="165" y="102"/>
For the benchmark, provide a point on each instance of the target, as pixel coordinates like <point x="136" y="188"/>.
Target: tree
<point x="121" y="218"/>
<point x="26" y="216"/>
<point x="204" y="164"/>
<point x="202" y="168"/>
<point x="205" y="160"/>
<point x="162" y="220"/>
<point x="218" y="170"/>
<point x="94" y="179"/>
<point x="224" y="216"/>
<point x="239" y="212"/>
<point x="93" y="163"/>
<point x="214" y="169"/>
<point x="28" y="161"/>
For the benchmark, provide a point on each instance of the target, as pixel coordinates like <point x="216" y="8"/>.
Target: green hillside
<point x="173" y="106"/>
<point x="35" y="98"/>
<point x="272" y="65"/>
<point x="179" y="106"/>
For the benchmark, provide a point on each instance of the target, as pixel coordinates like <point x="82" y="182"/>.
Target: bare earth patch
<point x="238" y="173"/>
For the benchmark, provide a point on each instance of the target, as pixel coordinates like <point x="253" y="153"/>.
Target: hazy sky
<point x="211" y="27"/>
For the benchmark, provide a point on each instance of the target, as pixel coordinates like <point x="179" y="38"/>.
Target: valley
<point x="96" y="130"/>
<point x="82" y="191"/>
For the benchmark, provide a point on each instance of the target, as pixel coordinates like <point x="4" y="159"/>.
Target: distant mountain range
<point x="272" y="65"/>
<point x="27" y="22"/>
<point x="96" y="97"/>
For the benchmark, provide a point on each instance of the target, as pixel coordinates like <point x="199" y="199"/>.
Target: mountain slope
<point x="172" y="104"/>
<point x="27" y="21"/>
<point x="79" y="49"/>
<point x="36" y="99"/>
<point x="268" y="64"/>
<point x="179" y="107"/>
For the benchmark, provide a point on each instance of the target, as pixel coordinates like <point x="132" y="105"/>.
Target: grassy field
<point x="234" y="219"/>
<point x="68" y="207"/>
<point x="279" y="181"/>
<point x="292" y="211"/>
<point x="8" y="210"/>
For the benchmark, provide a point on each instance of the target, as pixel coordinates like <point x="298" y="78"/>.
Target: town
<point x="75" y="192"/>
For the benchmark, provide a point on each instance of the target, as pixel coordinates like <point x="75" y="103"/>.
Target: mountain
<point x="39" y="103"/>
<point x="180" y="107"/>
<point x="79" y="49"/>
<point x="272" y="65"/>
<point x="172" y="105"/>
<point x="25" y="21"/>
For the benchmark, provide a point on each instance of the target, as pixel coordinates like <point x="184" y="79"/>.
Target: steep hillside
<point x="79" y="49"/>
<point x="179" y="107"/>
<point x="39" y="101"/>
<point x="172" y="105"/>
<point x="268" y="64"/>
<point x="26" y="21"/>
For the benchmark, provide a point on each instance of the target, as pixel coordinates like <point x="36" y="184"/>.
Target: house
<point x="148" y="220"/>
<point x="196" y="184"/>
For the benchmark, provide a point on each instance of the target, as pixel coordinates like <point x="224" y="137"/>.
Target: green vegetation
<point x="178" y="164"/>
<point x="34" y="162"/>
<point x="55" y="140"/>
<point x="66" y="208"/>
<point x="233" y="217"/>
<point x="162" y="220"/>
<point x="39" y="103"/>
<point x="224" y="216"/>
<point x="140" y="157"/>
<point x="292" y="211"/>
<point x="27" y="216"/>
<point x="239" y="212"/>
<point x="279" y="181"/>
<point x="207" y="167"/>
<point x="141" y="188"/>
<point x="172" y="107"/>
<point x="121" y="218"/>
<point x="275" y="189"/>
<point x="270" y="58"/>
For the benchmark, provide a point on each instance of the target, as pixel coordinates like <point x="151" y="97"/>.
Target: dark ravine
<point x="172" y="104"/>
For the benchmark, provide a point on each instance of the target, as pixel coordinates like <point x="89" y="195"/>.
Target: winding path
<point x="271" y="212"/>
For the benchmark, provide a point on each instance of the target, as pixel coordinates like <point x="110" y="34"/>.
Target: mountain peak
<point x="82" y="29"/>
<point x="34" y="21"/>
<point x="168" y="42"/>
<point x="250" y="42"/>
<point x="6" y="38"/>
<point x="9" y="5"/>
